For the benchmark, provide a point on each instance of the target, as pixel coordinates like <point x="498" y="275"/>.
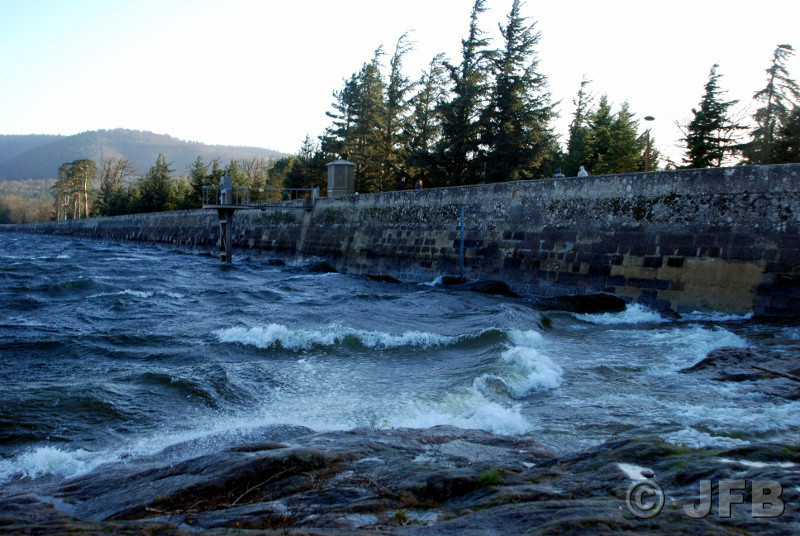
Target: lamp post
<point x="647" y="118"/>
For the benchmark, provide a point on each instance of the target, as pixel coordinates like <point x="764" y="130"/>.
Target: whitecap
<point x="698" y="316"/>
<point x="527" y="370"/>
<point x="529" y="338"/>
<point x="697" y="439"/>
<point x="48" y="460"/>
<point x="126" y="292"/>
<point x="435" y="283"/>
<point x="633" y="314"/>
<point x="469" y="410"/>
<point x="302" y="339"/>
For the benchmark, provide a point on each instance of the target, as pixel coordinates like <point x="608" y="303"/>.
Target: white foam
<point x="529" y="370"/>
<point x="743" y="418"/>
<point x="278" y="334"/>
<point x="49" y="461"/>
<point x="489" y="403"/>
<point x="760" y="465"/>
<point x="138" y="294"/>
<point x="467" y="410"/>
<point x="673" y="347"/>
<point x="435" y="283"/>
<point x="633" y="314"/>
<point x="698" y="439"/>
<point x="528" y="338"/>
<point x="698" y="316"/>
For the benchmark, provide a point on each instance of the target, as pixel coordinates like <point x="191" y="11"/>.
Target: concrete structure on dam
<point x="723" y="239"/>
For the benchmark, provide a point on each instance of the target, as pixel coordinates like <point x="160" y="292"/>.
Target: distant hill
<point x="39" y="156"/>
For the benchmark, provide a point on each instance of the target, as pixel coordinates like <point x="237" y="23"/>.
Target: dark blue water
<point x="113" y="352"/>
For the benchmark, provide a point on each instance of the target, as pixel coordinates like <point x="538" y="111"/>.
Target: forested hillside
<point x="39" y="156"/>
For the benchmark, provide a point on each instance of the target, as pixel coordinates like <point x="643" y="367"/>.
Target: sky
<point x="262" y="73"/>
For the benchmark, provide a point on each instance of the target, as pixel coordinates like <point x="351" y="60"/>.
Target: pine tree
<point x="578" y="142"/>
<point x="424" y="129"/>
<point x="627" y="145"/>
<point x="73" y="189"/>
<point x="395" y="114"/>
<point x="517" y="135"/>
<point x="459" y="146"/>
<point x="709" y="136"/>
<point x="156" y="188"/>
<point x="787" y="140"/>
<point x="777" y="99"/>
<point x="198" y="178"/>
<point x="355" y="133"/>
<point x="371" y="109"/>
<point x="601" y="121"/>
<point x="338" y="138"/>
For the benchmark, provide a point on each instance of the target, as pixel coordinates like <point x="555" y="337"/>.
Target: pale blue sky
<point x="261" y="73"/>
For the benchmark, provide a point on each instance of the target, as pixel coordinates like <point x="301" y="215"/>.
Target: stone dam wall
<point x="721" y="239"/>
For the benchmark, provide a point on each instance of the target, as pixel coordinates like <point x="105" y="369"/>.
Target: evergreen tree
<point x="627" y="145"/>
<point x="73" y="189"/>
<point x="217" y="172"/>
<point x="355" y="133"/>
<point x="459" y="146"/>
<point x="368" y="131"/>
<point x="578" y="142"/>
<point x="156" y="189"/>
<point x="517" y="135"/>
<point x="424" y="129"/>
<point x="182" y="195"/>
<point x="777" y="99"/>
<point x="315" y="162"/>
<point x="338" y="138"/>
<point x="787" y="140"/>
<point x="235" y="171"/>
<point x="198" y="178"/>
<point x="709" y="136"/>
<point x="601" y="122"/>
<point x="284" y="174"/>
<point x="64" y="194"/>
<point x="395" y="114"/>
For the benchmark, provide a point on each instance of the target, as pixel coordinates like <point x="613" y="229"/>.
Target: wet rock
<point x="770" y="372"/>
<point x="321" y="268"/>
<point x="583" y="304"/>
<point x="436" y="481"/>
<point x="495" y="288"/>
<point x="383" y="278"/>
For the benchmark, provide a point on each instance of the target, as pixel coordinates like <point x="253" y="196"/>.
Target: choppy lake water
<point x="112" y="352"/>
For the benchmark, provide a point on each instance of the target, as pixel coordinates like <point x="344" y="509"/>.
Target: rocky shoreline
<point x="441" y="480"/>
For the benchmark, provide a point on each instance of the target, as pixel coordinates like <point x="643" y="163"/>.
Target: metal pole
<point x="647" y="118"/>
<point x="225" y="234"/>
<point x="462" y="243"/>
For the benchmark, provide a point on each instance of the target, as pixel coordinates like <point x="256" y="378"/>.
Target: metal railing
<point x="241" y="196"/>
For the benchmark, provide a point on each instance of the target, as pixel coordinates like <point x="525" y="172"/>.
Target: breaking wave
<point x="278" y="335"/>
<point x="633" y="314"/>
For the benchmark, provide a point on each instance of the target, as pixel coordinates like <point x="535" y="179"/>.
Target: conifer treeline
<point x="487" y="118"/>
